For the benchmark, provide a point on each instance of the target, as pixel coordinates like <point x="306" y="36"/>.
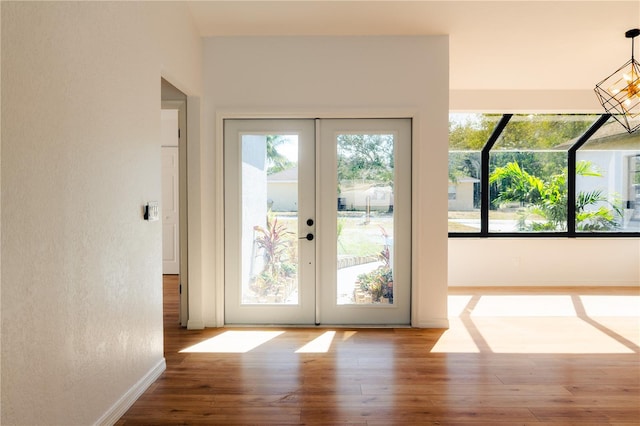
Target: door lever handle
<point x="308" y="237"/>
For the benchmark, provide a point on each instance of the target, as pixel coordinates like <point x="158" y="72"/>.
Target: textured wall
<point x="81" y="283"/>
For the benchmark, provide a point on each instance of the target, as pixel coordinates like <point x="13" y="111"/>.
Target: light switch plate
<point x="152" y="211"/>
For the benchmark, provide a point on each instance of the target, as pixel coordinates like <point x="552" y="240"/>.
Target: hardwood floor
<point x="529" y="357"/>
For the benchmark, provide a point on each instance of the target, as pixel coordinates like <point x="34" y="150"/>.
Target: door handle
<point x="308" y="237"/>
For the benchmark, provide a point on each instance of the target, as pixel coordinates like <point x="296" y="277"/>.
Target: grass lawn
<point x="357" y="237"/>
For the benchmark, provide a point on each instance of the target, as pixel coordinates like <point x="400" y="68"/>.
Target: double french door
<point x="317" y="221"/>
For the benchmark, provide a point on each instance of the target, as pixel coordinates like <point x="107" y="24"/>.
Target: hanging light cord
<point x="632" y="34"/>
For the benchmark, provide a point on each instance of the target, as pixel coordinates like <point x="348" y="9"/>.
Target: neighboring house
<point x="282" y="190"/>
<point x="461" y="193"/>
<point x="361" y="196"/>
<point x="610" y="150"/>
<point x="282" y="194"/>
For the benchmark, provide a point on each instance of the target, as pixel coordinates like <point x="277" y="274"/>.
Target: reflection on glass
<point x="365" y="218"/>
<point x="269" y="219"/>
<point x="608" y="198"/>
<point x="468" y="133"/>
<point x="528" y="172"/>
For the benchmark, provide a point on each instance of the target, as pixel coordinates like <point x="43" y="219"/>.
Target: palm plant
<point x="548" y="199"/>
<point x="601" y="219"/>
<point x="276" y="161"/>
<point x="276" y="242"/>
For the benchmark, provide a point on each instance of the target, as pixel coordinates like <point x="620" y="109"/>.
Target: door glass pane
<point x="365" y="227"/>
<point x="269" y="219"/>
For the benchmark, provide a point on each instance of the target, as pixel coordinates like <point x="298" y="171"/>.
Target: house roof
<point x="610" y="136"/>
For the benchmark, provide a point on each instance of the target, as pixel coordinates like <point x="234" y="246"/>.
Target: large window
<point x="519" y="175"/>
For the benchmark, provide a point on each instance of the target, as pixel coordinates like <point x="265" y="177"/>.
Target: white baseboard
<point x="433" y="323"/>
<point x="125" y="402"/>
<point x="195" y="325"/>
<point x="540" y="283"/>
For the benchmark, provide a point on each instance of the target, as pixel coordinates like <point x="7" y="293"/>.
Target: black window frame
<point x="571" y="231"/>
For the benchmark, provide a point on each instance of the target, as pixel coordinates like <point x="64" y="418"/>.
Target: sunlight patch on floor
<point x="544" y="305"/>
<point x="524" y="306"/>
<point x="611" y="306"/>
<point x="548" y="335"/>
<point x="458" y="304"/>
<point x="348" y="334"/>
<point x="320" y="344"/>
<point x="240" y="341"/>
<point x="528" y="336"/>
<point x="456" y="339"/>
<point x="542" y="324"/>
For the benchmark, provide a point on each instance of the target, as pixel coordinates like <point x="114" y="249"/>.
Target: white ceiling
<point x="494" y="45"/>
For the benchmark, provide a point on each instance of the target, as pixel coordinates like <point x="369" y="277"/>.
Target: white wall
<point x="0" y="214"/>
<point x="524" y="101"/>
<point x="334" y="77"/>
<point x="169" y="127"/>
<point x="81" y="269"/>
<point x="253" y="187"/>
<point x="284" y="196"/>
<point x="544" y="262"/>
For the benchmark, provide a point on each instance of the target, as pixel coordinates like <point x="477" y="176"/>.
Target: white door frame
<point x="410" y="115"/>
<point x="170" y="205"/>
<point x="181" y="106"/>
<point x="257" y="313"/>
<point x="217" y="288"/>
<point x="329" y="311"/>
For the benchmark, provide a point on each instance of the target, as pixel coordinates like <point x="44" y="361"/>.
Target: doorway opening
<point x="173" y="145"/>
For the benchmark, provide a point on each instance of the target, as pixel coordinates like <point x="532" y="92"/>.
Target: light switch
<point x="152" y="211"/>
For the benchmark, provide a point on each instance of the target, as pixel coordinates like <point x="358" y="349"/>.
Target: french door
<point x="317" y="221"/>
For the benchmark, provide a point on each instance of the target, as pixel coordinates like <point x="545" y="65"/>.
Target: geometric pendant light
<point x="619" y="93"/>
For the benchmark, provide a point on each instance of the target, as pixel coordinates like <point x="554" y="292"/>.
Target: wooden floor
<point x="526" y="357"/>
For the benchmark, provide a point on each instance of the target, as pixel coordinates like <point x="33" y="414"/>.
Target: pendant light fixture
<point x="619" y="93"/>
